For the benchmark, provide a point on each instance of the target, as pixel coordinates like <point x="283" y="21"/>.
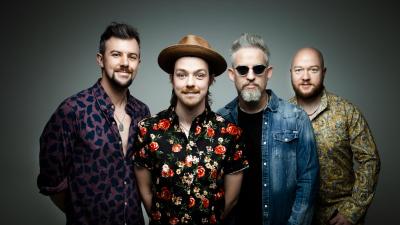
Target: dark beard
<point x="315" y="93"/>
<point x="117" y="85"/>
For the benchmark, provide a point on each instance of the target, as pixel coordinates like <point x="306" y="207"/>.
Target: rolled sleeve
<point x="236" y="159"/>
<point x="143" y="154"/>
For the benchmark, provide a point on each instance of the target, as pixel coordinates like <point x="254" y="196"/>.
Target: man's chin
<point x="122" y="84"/>
<point x="308" y="95"/>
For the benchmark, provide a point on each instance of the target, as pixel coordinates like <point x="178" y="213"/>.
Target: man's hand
<point x="59" y="199"/>
<point x="339" y="220"/>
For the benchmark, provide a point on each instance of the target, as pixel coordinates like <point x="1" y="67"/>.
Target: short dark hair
<point x="118" y="30"/>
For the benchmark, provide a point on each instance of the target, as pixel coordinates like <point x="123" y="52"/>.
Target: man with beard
<point x="86" y="148"/>
<point x="189" y="161"/>
<point x="280" y="185"/>
<point x="343" y="137"/>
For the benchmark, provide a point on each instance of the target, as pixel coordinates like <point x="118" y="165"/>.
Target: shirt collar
<point x="202" y="118"/>
<point x="104" y="100"/>
<point x="273" y="103"/>
<point x="323" y="105"/>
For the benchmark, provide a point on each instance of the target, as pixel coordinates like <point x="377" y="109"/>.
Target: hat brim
<point x="167" y="57"/>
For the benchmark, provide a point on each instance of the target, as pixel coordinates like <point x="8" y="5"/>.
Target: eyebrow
<point x="129" y="53"/>
<point x="196" y="71"/>
<point x="306" y="67"/>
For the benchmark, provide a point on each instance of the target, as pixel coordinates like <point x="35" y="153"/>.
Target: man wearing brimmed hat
<point x="280" y="185"/>
<point x="189" y="160"/>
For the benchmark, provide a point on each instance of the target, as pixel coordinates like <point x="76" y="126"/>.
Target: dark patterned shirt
<point x="81" y="153"/>
<point x="188" y="172"/>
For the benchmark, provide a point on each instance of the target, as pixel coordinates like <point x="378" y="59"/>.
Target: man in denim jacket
<point x="281" y="183"/>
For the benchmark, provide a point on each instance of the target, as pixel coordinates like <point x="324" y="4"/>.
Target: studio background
<point x="48" y="53"/>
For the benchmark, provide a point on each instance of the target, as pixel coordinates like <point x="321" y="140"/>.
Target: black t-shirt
<point x="250" y="203"/>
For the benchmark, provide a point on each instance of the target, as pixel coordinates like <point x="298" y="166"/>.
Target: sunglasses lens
<point x="259" y="69"/>
<point x="242" y="70"/>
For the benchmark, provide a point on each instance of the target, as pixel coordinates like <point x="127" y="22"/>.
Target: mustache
<point x="124" y="70"/>
<point x="253" y="84"/>
<point x="190" y="90"/>
<point x="306" y="83"/>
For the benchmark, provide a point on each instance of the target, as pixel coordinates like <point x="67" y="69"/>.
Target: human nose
<point x="124" y="60"/>
<point x="250" y="75"/>
<point x="306" y="75"/>
<point x="190" y="80"/>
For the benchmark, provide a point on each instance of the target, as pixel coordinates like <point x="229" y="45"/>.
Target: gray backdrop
<point x="48" y="53"/>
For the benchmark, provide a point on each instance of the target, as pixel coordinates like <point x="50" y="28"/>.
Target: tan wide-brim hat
<point x="191" y="45"/>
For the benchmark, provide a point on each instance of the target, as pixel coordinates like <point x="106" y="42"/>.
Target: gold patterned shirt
<point x="349" y="160"/>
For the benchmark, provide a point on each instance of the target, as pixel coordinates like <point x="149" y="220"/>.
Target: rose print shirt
<point x="188" y="172"/>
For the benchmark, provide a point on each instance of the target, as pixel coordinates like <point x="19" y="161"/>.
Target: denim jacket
<point x="289" y="162"/>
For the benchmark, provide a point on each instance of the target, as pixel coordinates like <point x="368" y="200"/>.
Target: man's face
<point x="307" y="74"/>
<point x="251" y="85"/>
<point x="190" y="82"/>
<point x="120" y="61"/>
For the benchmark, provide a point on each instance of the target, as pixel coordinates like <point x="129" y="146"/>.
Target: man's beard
<point x="310" y="95"/>
<point x="253" y="95"/>
<point x="117" y="84"/>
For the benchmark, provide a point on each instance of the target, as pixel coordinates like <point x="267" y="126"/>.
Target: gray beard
<point x="251" y="95"/>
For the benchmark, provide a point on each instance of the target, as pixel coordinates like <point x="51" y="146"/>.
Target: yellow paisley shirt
<point x="349" y="160"/>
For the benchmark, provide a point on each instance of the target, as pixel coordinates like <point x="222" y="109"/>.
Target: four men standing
<point x="191" y="164"/>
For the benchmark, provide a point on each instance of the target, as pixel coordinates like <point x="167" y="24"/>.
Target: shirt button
<point x="265" y="142"/>
<point x="265" y="123"/>
<point x="265" y="206"/>
<point x="125" y="182"/>
<point x="265" y="185"/>
<point x="286" y="139"/>
<point x="265" y="164"/>
<point x="126" y="203"/>
<point x="119" y="142"/>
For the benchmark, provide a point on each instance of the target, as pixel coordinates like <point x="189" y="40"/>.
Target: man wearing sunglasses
<point x="280" y="185"/>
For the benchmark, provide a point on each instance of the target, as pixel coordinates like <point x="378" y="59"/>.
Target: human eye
<point x="200" y="75"/>
<point x="133" y="57"/>
<point x="180" y="75"/>
<point x="115" y="54"/>
<point x="314" y="70"/>
<point x="298" y="70"/>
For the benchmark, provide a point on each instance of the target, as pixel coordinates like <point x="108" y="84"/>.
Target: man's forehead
<point x="129" y="45"/>
<point x="191" y="63"/>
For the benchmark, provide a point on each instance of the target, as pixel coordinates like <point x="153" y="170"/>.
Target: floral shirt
<point x="343" y="135"/>
<point x="188" y="172"/>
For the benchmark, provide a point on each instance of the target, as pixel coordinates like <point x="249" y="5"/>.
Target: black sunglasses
<point x="243" y="70"/>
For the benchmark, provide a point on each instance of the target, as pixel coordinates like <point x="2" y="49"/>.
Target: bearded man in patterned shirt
<point x="189" y="160"/>
<point x="343" y="137"/>
<point x="86" y="147"/>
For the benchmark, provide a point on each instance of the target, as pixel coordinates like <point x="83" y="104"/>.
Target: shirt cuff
<point x="63" y="185"/>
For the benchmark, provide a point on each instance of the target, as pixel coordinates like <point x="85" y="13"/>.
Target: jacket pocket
<point x="285" y="143"/>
